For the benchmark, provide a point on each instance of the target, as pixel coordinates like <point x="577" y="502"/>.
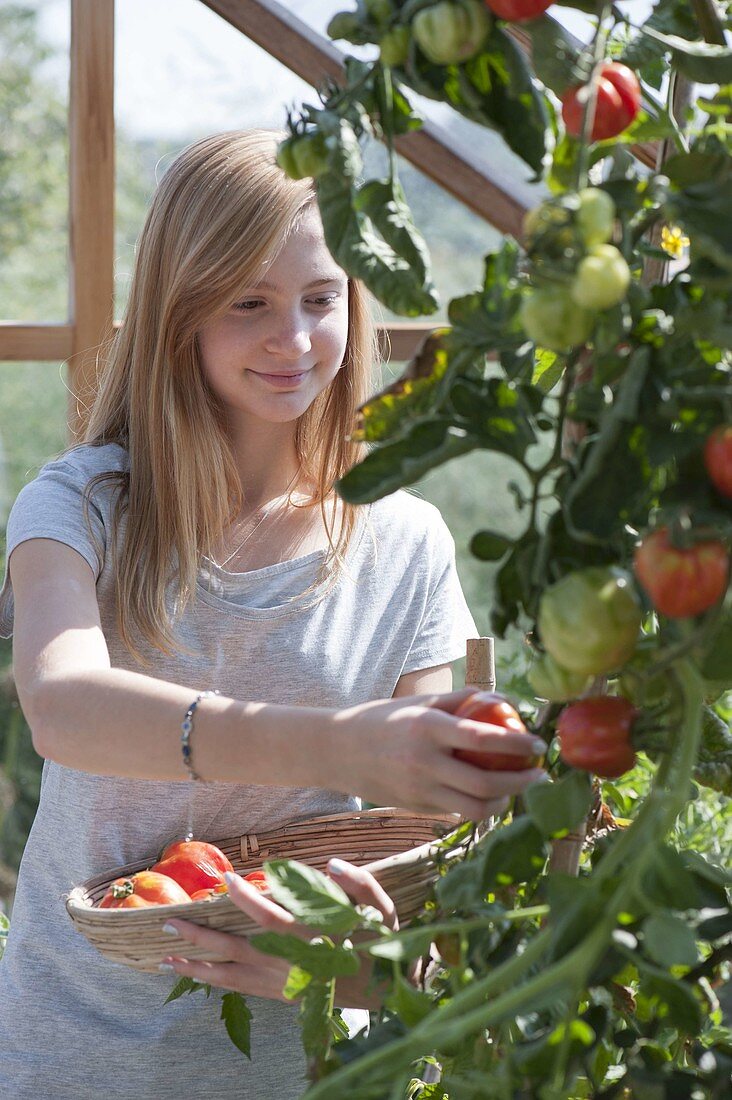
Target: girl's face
<point x="283" y="341"/>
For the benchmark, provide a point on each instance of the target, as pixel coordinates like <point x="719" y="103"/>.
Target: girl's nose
<point x="289" y="338"/>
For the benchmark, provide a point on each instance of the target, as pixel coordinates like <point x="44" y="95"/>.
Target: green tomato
<point x="394" y="47"/>
<point x="556" y="684"/>
<point x="602" y="278"/>
<point x="303" y="155"/>
<point x="451" y="31"/>
<point x="552" y="319"/>
<point x="589" y="620"/>
<point x="595" y="216"/>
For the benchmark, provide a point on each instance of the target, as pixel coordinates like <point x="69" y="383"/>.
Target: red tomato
<point x="487" y="706"/>
<point x="681" y="583"/>
<point x="194" y="864"/>
<point x="618" y="102"/>
<point x="144" y="888"/>
<point x="257" y="879"/>
<point x="718" y="459"/>
<point x="518" y="11"/>
<point x="210" y="892"/>
<point x="595" y="735"/>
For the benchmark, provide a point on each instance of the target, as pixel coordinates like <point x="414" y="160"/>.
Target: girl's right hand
<point x="400" y="753"/>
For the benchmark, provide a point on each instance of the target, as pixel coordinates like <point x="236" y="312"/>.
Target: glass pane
<point x="34" y="78"/>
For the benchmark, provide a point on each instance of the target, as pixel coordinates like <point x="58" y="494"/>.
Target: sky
<point x="182" y="71"/>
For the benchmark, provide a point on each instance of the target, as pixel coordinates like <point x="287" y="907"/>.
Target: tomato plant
<point x="303" y="155"/>
<point x="194" y="864"/>
<point x="595" y="735"/>
<point x="718" y="459"/>
<point x="451" y="31"/>
<point x="493" y="709"/>
<point x="618" y="103"/>
<point x="681" y="581"/>
<point x="143" y="889"/>
<point x="562" y="967"/>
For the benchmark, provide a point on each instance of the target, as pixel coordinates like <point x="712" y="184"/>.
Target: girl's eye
<point x="326" y="300"/>
<point x="247" y="306"/>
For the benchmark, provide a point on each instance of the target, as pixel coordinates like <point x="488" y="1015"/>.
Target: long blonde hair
<point x="221" y="210"/>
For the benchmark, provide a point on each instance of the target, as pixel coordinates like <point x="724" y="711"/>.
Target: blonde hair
<point x="221" y="210"/>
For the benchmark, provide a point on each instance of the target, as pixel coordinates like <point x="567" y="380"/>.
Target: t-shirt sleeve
<point x="446" y="623"/>
<point x="53" y="507"/>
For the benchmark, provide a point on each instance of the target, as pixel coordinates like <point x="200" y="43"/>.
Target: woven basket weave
<point x="395" y="845"/>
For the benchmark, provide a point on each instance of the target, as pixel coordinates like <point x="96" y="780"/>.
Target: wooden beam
<point x="91" y="194"/>
<point x="34" y="343"/>
<point x="313" y="58"/>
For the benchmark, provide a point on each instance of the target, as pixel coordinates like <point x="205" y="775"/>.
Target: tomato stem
<point x="588" y="117"/>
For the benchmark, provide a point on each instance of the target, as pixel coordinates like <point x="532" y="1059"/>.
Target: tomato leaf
<point x="511" y="853"/>
<point x="489" y="545"/>
<point x="311" y="897"/>
<point x="237" y="1017"/>
<point x="321" y="958"/>
<point x="186" y="985"/>
<point x="315" y="1020"/>
<point x="557" y="807"/>
<point x="668" y="940"/>
<point x="297" y="980"/>
<point x="410" y="1004"/>
<point x="701" y="62"/>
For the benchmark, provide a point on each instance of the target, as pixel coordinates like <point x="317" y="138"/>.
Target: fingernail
<point x="337" y="866"/>
<point x="170" y="929"/>
<point x="542" y="777"/>
<point x="166" y="967"/>
<point x="538" y="745"/>
<point x="231" y="878"/>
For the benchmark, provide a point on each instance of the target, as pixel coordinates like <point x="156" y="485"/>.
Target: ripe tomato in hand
<point x="595" y="735"/>
<point x="618" y="102"/>
<point x="487" y="706"/>
<point x="518" y="11"/>
<point x="144" y="888"/>
<point x="718" y="459"/>
<point x="681" y="582"/>
<point x="194" y="864"/>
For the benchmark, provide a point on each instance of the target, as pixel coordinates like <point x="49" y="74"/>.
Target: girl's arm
<point x="108" y="721"/>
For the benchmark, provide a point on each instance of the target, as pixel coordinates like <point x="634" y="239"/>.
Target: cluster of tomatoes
<point x="575" y="272"/>
<point x="188" y="870"/>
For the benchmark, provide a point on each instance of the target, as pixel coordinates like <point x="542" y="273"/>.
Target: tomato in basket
<point x="143" y="889"/>
<point x="210" y="892"/>
<point x="258" y="879"/>
<point x="194" y="864"/>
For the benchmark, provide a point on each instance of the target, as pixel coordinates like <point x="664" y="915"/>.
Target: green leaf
<point x="411" y="1005"/>
<point x="489" y="545"/>
<point x="511" y="853"/>
<point x="676" y="1002"/>
<point x="556" y="808"/>
<point x="488" y="319"/>
<point x="321" y="957"/>
<point x="668" y="940"/>
<point x="553" y="54"/>
<point x="311" y="897"/>
<point x="186" y="985"/>
<point x="297" y="980"/>
<point x="315" y="1019"/>
<point x="394" y="465"/>
<point x="548" y="369"/>
<point x="403" y="946"/>
<point x="668" y="17"/>
<point x="701" y="62"/>
<point x="362" y="249"/>
<point x="716" y="662"/>
<point x="496" y="89"/>
<point x="237" y="1017"/>
<point x="667" y="883"/>
<point x="4" y="927"/>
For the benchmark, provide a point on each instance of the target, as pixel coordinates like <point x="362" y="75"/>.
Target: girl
<point x="194" y="544"/>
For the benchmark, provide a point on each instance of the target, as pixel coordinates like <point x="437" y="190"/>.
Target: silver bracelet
<point x="186" y="727"/>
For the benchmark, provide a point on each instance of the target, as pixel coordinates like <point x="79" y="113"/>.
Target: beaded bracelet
<point x="187" y="729"/>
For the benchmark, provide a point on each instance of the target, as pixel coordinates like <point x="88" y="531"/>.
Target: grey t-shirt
<point x="71" y="1022"/>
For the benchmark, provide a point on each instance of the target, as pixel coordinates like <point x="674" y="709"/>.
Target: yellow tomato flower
<point x="674" y="241"/>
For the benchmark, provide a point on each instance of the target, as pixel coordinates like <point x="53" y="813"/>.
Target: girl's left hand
<point x="243" y="969"/>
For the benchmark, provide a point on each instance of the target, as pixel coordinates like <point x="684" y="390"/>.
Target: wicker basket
<point x="397" y="847"/>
